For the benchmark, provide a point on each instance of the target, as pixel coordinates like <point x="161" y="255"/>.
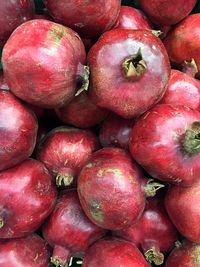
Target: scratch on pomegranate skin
<point x="117" y="172"/>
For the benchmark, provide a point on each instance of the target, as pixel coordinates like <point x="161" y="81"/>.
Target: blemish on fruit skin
<point x="96" y="211"/>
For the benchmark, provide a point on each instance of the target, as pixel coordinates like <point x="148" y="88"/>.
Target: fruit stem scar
<point x="134" y="66"/>
<point x="154" y="256"/>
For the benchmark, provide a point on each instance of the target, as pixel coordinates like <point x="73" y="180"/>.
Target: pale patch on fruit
<point x="89" y="165"/>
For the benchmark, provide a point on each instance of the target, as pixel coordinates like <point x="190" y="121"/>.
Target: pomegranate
<point x="18" y="131"/>
<point x="51" y="59"/>
<point x="114" y="252"/>
<point x="31" y="251"/>
<point x="154" y="233"/>
<point x="182" y="206"/>
<point x="184" y="255"/>
<point x="164" y="12"/>
<point x="68" y="230"/>
<point x="182" y="89"/>
<point x="132" y="18"/>
<point x="165" y="139"/>
<point x="12" y="14"/>
<point x="129" y="71"/>
<point x="115" y="131"/>
<point x="109" y="189"/>
<point x="64" y="151"/>
<point x="182" y="42"/>
<point x="27" y="197"/>
<point x="89" y="18"/>
<point x="81" y="112"/>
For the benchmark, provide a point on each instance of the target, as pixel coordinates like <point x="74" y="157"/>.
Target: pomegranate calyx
<point x="157" y="33"/>
<point x="191" y="140"/>
<point x="134" y="66"/>
<point x="190" y="67"/>
<point x="152" y="187"/>
<point x="64" y="179"/>
<point x="83" y="75"/>
<point x="56" y="261"/>
<point x="154" y="256"/>
<point x="1" y="222"/>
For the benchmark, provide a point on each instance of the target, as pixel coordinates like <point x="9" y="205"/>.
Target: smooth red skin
<point x="182" y="43"/>
<point x="115" y="131"/>
<point x="81" y="112"/>
<point x="182" y="89"/>
<point x="49" y="66"/>
<point x="65" y="150"/>
<point x="4" y="86"/>
<point x="69" y="228"/>
<point x="114" y="252"/>
<point x="182" y="206"/>
<point x="153" y="230"/>
<point x="187" y="255"/>
<point x="155" y="143"/>
<point x="12" y="14"/>
<point x="132" y="18"/>
<point x="89" y="18"/>
<point x="165" y="12"/>
<point x="31" y="251"/>
<point x="110" y="181"/>
<point x="18" y="131"/>
<point x="110" y="88"/>
<point x="27" y="197"/>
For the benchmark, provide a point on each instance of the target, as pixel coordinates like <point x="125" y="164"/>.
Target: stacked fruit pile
<point x="99" y="133"/>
